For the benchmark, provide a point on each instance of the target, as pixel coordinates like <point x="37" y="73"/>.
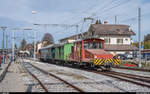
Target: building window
<point x="119" y="41"/>
<point x="106" y="40"/>
<point x="126" y="39"/>
<point x="109" y="40"/>
<point x="93" y="33"/>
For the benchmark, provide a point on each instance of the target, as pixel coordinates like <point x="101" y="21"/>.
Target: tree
<point x="98" y="22"/>
<point x="136" y="44"/>
<point x="16" y="46"/>
<point x="147" y="41"/>
<point x="147" y="44"/>
<point x="47" y="39"/>
<point x="23" y="45"/>
<point x="147" y="37"/>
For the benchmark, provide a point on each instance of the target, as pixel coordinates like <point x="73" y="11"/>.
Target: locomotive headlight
<point x="95" y="57"/>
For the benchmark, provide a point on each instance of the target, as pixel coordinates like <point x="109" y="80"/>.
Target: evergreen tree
<point x="100" y="22"/>
<point x="23" y="45"/>
<point x="16" y="46"/>
<point x="96" y="22"/>
<point x="147" y="37"/>
<point x="147" y="41"/>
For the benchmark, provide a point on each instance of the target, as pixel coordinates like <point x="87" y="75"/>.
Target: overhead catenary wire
<point x="118" y="5"/>
<point x="99" y="9"/>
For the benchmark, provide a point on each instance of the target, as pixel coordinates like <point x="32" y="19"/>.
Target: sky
<point x="18" y="14"/>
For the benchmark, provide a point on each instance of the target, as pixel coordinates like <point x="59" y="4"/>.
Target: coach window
<point x="97" y="45"/>
<point x="86" y="45"/>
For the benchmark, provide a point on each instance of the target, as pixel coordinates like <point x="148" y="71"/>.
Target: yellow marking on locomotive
<point x="98" y="61"/>
<point x="95" y="62"/>
<point x="114" y="61"/>
<point x="101" y="61"/>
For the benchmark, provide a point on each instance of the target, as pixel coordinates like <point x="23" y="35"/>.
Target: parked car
<point x="129" y="56"/>
<point x="122" y="56"/>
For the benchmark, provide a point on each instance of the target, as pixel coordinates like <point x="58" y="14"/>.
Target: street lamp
<point x="34" y="12"/>
<point x="6" y="40"/>
<point x="3" y="28"/>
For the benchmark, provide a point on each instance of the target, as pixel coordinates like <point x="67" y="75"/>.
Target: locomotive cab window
<point x="100" y="45"/>
<point x="93" y="45"/>
<point x="86" y="45"/>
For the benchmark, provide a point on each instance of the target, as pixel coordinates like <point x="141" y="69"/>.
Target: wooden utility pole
<point x="139" y="29"/>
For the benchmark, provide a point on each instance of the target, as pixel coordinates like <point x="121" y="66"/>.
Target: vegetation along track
<point x="54" y="76"/>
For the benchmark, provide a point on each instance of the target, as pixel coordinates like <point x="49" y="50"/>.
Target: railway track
<point x="50" y="82"/>
<point x="135" y="79"/>
<point x="135" y="69"/>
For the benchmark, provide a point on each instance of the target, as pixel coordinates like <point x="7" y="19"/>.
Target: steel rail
<point x="136" y="77"/>
<point x="42" y="85"/>
<point x="45" y="72"/>
<point x="132" y="75"/>
<point x="115" y="76"/>
<point x="120" y="78"/>
<point x="135" y="69"/>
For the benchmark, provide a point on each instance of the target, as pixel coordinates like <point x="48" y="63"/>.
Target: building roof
<point x="106" y="29"/>
<point x="111" y="47"/>
<point x="111" y="29"/>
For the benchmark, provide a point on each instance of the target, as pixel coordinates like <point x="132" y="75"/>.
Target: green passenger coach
<point x="67" y="50"/>
<point x="63" y="51"/>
